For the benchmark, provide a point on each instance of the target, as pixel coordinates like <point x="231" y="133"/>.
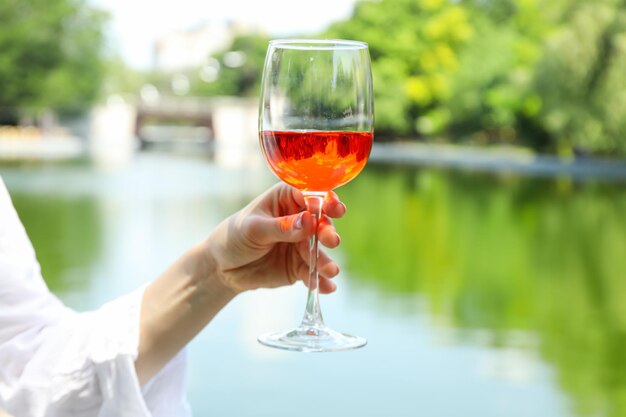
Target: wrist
<point x="176" y="306"/>
<point x="208" y="274"/>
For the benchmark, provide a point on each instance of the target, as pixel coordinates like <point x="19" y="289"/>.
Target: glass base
<point x="312" y="339"/>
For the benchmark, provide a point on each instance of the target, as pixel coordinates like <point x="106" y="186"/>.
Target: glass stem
<point x="312" y="319"/>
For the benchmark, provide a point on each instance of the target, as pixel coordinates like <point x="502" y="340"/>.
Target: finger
<point x="326" y="267"/>
<point x="327" y="286"/>
<point x="303" y="250"/>
<point x="297" y="268"/>
<point x="295" y="197"/>
<point x="302" y="272"/>
<point x="327" y="234"/>
<point x="282" y="199"/>
<point x="333" y="207"/>
<point x="290" y="200"/>
<point x="265" y="230"/>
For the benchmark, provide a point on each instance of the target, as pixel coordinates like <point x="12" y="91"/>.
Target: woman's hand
<point x="266" y="244"/>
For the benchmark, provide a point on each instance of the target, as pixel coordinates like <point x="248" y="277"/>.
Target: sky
<point x="136" y="24"/>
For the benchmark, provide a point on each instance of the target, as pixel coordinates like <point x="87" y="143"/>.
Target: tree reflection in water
<point x="504" y="254"/>
<point x="66" y="234"/>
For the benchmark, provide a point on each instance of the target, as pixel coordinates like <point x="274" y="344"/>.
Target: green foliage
<point x="29" y="45"/>
<point x="216" y="77"/>
<point x="414" y="46"/>
<point x="550" y="75"/>
<point x="242" y="80"/>
<point x="542" y="73"/>
<point x="51" y="54"/>
<point x="581" y="78"/>
<point x="122" y="79"/>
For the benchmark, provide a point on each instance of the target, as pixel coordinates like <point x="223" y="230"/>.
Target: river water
<point x="480" y="295"/>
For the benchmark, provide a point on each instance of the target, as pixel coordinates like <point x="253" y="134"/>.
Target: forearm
<point x="176" y="306"/>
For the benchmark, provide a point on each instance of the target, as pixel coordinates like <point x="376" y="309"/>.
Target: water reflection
<point x="66" y="234"/>
<point x="100" y="232"/>
<point x="466" y="285"/>
<point x="537" y="263"/>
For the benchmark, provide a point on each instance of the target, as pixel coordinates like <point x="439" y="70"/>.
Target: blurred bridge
<point x="171" y="119"/>
<point x="227" y="124"/>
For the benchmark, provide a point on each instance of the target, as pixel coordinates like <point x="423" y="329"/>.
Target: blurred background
<point x="483" y="254"/>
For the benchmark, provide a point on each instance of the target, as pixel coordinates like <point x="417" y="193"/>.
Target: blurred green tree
<point x="51" y="55"/>
<point x="581" y="80"/>
<point x="235" y="71"/>
<point x="541" y="73"/>
<point x="493" y="98"/>
<point x="414" y="46"/>
<point x="548" y="74"/>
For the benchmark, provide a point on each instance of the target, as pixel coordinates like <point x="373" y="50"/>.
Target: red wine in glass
<point x="316" y="160"/>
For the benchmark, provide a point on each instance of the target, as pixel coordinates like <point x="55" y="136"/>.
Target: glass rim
<point x="317" y="44"/>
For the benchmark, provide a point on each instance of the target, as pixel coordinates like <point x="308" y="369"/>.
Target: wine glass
<point x="316" y="126"/>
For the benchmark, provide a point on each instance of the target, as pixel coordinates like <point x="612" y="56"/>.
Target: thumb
<point x="291" y="228"/>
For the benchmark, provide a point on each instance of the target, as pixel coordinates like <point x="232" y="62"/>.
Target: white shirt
<point x="55" y="362"/>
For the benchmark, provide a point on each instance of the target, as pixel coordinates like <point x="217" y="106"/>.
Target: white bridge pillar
<point x="235" y="129"/>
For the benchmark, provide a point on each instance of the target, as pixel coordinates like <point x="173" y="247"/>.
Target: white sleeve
<point x="56" y="362"/>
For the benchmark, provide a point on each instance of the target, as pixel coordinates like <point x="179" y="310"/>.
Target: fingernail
<point x="298" y="223"/>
